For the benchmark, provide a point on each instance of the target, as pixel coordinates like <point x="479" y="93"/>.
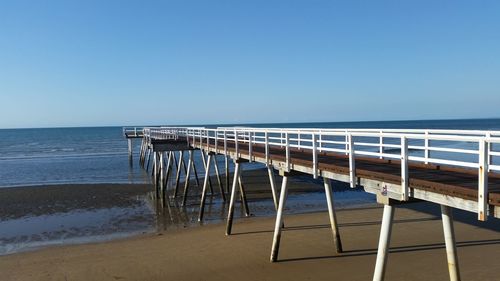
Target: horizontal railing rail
<point x="133" y="131"/>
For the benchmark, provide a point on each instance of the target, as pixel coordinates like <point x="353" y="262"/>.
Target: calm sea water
<point x="99" y="155"/>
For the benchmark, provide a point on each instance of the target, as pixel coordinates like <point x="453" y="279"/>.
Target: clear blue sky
<point x="88" y="63"/>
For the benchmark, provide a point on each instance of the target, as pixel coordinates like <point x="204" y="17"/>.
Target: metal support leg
<point x="179" y="169"/>
<point x="272" y="180"/>
<point x="162" y="176"/>
<point x="205" y="166"/>
<point x="204" y="193"/>
<point x="130" y="160"/>
<point x="383" y="244"/>
<point x="140" y="153"/>
<point x="184" y="167"/>
<point x="188" y="174"/>
<point x="226" y="162"/>
<point x="333" y="216"/>
<point x="243" y="195"/>
<point x="149" y="158"/>
<point x="449" y="238"/>
<point x="155" y="174"/>
<point x="155" y="159"/>
<point x="168" y="169"/>
<point x="279" y="219"/>
<point x="196" y="174"/>
<point x="219" y="180"/>
<point x="230" y="212"/>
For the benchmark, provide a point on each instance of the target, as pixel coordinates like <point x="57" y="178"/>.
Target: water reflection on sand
<point x="146" y="214"/>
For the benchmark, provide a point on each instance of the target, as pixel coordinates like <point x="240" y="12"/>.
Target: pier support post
<point x="179" y="169"/>
<point x="226" y="162"/>
<point x="383" y="244"/>
<point x="219" y="180"/>
<point x="155" y="170"/>
<point x="230" y="213"/>
<point x="272" y="181"/>
<point x="333" y="215"/>
<point x="188" y="175"/>
<point x="449" y="238"/>
<point x="168" y="170"/>
<point x="195" y="173"/>
<point x="176" y="163"/>
<point x="162" y="176"/>
<point x="204" y="192"/>
<point x="155" y="159"/>
<point x="205" y="163"/>
<point x="141" y="154"/>
<point x="130" y="152"/>
<point x="149" y="157"/>
<point x="243" y="196"/>
<point x="279" y="218"/>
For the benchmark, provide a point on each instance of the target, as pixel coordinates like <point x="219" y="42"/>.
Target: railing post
<point x="347" y="142"/>
<point x="287" y="139"/>
<point x="208" y="139"/>
<point x="320" y="141"/>
<point x="404" y="169"/>
<point x="250" y="146"/>
<point x="281" y="138"/>
<point x="315" y="156"/>
<point x="426" y="147"/>
<point x="381" y="145"/>
<point x="298" y="137"/>
<point x="201" y="138"/>
<point x="482" y="195"/>
<point x="236" y="143"/>
<point x="225" y="143"/>
<point x="352" y="165"/>
<point x="216" y="140"/>
<point x="488" y="135"/>
<point x="266" y="137"/>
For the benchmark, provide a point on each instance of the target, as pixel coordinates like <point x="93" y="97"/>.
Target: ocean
<point x="54" y="210"/>
<point x="99" y="154"/>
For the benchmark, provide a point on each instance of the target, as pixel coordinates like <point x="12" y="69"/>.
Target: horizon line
<point x="250" y="123"/>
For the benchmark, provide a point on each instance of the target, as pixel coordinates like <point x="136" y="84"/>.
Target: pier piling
<point x="230" y="212"/>
<point x="449" y="239"/>
<point x="383" y="244"/>
<point x="279" y="219"/>
<point x="332" y="215"/>
<point x="204" y="192"/>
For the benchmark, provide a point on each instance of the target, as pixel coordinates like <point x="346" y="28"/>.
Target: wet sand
<point x="41" y="216"/>
<point x="307" y="252"/>
<point x="16" y="202"/>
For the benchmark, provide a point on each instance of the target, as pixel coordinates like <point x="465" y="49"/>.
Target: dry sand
<point x="307" y="252"/>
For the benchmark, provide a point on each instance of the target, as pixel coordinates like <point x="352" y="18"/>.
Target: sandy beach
<point x="307" y="251"/>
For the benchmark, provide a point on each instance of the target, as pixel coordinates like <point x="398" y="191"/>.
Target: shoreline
<point x="35" y="217"/>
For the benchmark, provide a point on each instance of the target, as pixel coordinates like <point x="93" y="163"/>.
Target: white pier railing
<point x="460" y="148"/>
<point x="133" y="131"/>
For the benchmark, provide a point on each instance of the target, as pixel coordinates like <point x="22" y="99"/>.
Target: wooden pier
<point x="452" y="168"/>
